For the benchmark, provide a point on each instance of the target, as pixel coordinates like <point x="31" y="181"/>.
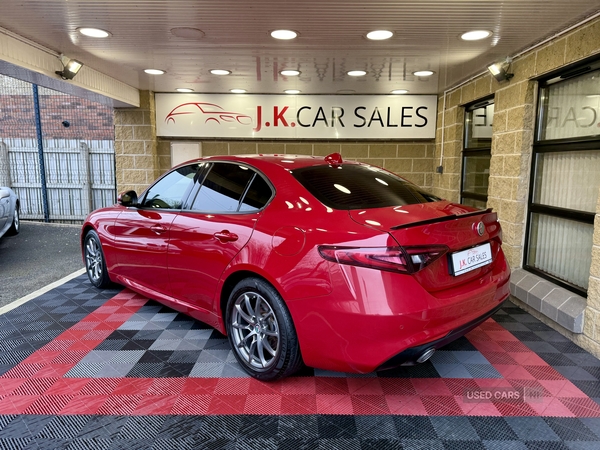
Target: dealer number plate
<point x="471" y="259"/>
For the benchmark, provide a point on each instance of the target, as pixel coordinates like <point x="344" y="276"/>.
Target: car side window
<point x="170" y="191"/>
<point x="223" y="188"/>
<point x="258" y="195"/>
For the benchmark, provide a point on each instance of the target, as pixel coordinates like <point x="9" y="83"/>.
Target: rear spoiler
<point x="441" y="219"/>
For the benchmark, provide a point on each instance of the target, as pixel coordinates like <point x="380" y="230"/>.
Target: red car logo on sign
<point x="211" y="111"/>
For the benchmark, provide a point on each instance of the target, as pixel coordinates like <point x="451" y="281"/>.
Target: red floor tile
<point x="14" y="404"/>
<point x="298" y="404"/>
<point x="405" y="405"/>
<point x="331" y="386"/>
<point x="132" y="386"/>
<point x="369" y="405"/>
<point x="263" y="404"/>
<point x="120" y="404"/>
<point x="191" y="404"/>
<point x="334" y="404"/>
<point x="431" y="386"/>
<point x="84" y="404"/>
<point x="155" y="405"/>
<point x="226" y="404"/>
<point x="48" y="404"/>
<point x="199" y="386"/>
<point x="441" y="405"/>
<point x="364" y="386"/>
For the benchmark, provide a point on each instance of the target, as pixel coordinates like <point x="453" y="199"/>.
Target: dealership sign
<point x="296" y="116"/>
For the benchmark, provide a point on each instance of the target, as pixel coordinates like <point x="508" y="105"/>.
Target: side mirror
<point x="128" y="198"/>
<point x="4" y="194"/>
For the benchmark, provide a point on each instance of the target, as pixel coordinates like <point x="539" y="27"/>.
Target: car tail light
<point x="391" y="259"/>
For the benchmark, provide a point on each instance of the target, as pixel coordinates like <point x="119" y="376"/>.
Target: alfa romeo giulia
<point x="334" y="264"/>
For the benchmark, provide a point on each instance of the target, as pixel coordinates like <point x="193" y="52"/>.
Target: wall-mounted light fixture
<point x="70" y="69"/>
<point x="501" y="70"/>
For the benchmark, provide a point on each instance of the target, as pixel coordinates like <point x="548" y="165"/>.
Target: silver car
<point x="9" y="212"/>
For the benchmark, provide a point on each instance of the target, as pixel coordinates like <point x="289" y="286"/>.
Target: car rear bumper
<point x="372" y="318"/>
<point x="410" y="356"/>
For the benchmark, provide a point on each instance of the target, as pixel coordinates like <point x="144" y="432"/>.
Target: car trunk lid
<point x="467" y="234"/>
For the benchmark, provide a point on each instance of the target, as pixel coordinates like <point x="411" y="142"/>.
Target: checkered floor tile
<point x="83" y="368"/>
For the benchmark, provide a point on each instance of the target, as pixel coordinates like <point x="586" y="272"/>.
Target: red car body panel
<point x="201" y="246"/>
<point x="347" y="318"/>
<point x="141" y="242"/>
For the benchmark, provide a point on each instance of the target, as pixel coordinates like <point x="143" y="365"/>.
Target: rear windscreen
<point x="359" y="187"/>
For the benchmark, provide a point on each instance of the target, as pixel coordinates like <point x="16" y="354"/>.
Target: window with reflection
<point x="170" y="191"/>
<point x="565" y="178"/>
<point x="477" y="154"/>
<point x="230" y="187"/>
<point x="352" y="186"/>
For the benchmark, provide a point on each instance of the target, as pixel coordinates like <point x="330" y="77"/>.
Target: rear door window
<point x="257" y="196"/>
<point x="230" y="187"/>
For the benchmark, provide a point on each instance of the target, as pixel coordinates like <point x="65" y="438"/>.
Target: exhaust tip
<point x="426" y="355"/>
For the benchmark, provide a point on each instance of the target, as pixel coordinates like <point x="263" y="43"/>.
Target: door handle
<point x="226" y="236"/>
<point x="158" y="229"/>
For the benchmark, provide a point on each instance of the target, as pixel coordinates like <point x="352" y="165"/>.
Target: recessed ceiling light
<point x="284" y="34"/>
<point x="93" y="32"/>
<point x="220" y="72"/>
<point x="237" y="91"/>
<point x="379" y="35"/>
<point x="184" y="90"/>
<point x="292" y="91"/>
<point x="399" y="91"/>
<point x="423" y="73"/>
<point x="154" y="71"/>
<point x="357" y="73"/>
<point x="290" y="72"/>
<point x="346" y="91"/>
<point x="475" y="35"/>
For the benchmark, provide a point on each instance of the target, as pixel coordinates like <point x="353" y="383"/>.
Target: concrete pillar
<point x="136" y="155"/>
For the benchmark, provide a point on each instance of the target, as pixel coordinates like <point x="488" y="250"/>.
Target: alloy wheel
<point x="93" y="259"/>
<point x="255" y="331"/>
<point x="16" y="223"/>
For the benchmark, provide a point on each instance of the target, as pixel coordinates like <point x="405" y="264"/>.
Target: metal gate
<point x="79" y="177"/>
<point x="50" y="156"/>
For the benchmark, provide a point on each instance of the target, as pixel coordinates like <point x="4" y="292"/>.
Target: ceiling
<point x="234" y="35"/>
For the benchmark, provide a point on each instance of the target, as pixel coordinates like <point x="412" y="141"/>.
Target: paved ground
<point x="83" y="368"/>
<point x="40" y="254"/>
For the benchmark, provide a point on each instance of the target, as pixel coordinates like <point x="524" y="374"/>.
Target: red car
<point x="338" y="265"/>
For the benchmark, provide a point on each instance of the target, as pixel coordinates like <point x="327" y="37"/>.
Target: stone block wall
<point x="512" y="142"/>
<point x="136" y="147"/>
<point x="412" y="160"/>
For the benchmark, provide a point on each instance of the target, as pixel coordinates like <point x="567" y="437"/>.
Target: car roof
<point x="288" y="162"/>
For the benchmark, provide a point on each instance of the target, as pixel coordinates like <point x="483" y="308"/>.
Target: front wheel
<point x="95" y="265"/>
<point x="261" y="331"/>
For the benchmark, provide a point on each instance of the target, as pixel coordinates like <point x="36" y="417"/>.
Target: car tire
<point x="15" y="227"/>
<point x="261" y="331"/>
<point x="95" y="264"/>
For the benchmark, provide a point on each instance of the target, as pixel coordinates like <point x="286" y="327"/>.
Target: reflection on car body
<point x="304" y="260"/>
